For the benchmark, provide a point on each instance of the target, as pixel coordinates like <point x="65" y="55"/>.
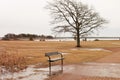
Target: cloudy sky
<point x="30" y="16"/>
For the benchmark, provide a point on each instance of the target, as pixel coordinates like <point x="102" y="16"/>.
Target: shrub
<point x="12" y="62"/>
<point x="96" y="40"/>
<point x="31" y="39"/>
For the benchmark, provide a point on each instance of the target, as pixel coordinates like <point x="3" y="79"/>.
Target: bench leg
<point x="62" y="65"/>
<point x="50" y="68"/>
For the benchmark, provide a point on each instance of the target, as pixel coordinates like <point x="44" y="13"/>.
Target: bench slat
<point x="51" y="53"/>
<point x="55" y="59"/>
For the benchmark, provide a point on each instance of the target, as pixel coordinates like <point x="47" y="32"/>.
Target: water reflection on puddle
<point x="30" y="73"/>
<point x="96" y="69"/>
<point x="91" y="49"/>
<point x="85" y="69"/>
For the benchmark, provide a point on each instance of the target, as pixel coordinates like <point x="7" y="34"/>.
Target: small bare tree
<point x="75" y="17"/>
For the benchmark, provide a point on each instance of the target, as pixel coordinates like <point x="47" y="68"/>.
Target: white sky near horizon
<point x="30" y="16"/>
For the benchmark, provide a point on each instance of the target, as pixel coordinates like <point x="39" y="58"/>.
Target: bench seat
<point x="55" y="59"/>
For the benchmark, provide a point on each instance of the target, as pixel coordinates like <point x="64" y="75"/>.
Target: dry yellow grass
<point x="33" y="52"/>
<point x="12" y="62"/>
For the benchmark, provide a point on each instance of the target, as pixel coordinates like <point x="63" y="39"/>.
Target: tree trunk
<point x="78" y="38"/>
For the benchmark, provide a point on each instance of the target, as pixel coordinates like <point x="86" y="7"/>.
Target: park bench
<point x="57" y="57"/>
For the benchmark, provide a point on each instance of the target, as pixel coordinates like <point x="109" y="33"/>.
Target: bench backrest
<point x="52" y="53"/>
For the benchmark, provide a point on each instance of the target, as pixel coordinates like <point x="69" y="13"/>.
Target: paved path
<point x="107" y="68"/>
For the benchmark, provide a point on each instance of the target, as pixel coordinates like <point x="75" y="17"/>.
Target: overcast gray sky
<point x="30" y="16"/>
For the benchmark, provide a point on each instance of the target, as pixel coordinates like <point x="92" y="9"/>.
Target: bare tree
<point x="75" y="17"/>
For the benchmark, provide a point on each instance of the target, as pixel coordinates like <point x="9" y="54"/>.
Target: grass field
<point x="23" y="53"/>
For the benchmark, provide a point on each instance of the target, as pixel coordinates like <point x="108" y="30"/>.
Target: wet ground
<point x="95" y="69"/>
<point x="72" y="72"/>
<point x="30" y="73"/>
<point x="90" y="71"/>
<point x="107" y="68"/>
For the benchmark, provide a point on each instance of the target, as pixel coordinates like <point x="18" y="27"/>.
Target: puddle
<point x="116" y="43"/>
<point x="91" y="49"/>
<point x="30" y="73"/>
<point x="84" y="69"/>
<point x="65" y="53"/>
<point x="96" y="70"/>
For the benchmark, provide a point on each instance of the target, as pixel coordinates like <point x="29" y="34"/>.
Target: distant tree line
<point x="11" y="36"/>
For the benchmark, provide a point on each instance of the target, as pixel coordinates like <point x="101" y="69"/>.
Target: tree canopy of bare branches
<point x="75" y="17"/>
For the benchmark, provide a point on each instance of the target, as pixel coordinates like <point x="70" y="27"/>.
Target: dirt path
<point x="107" y="68"/>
